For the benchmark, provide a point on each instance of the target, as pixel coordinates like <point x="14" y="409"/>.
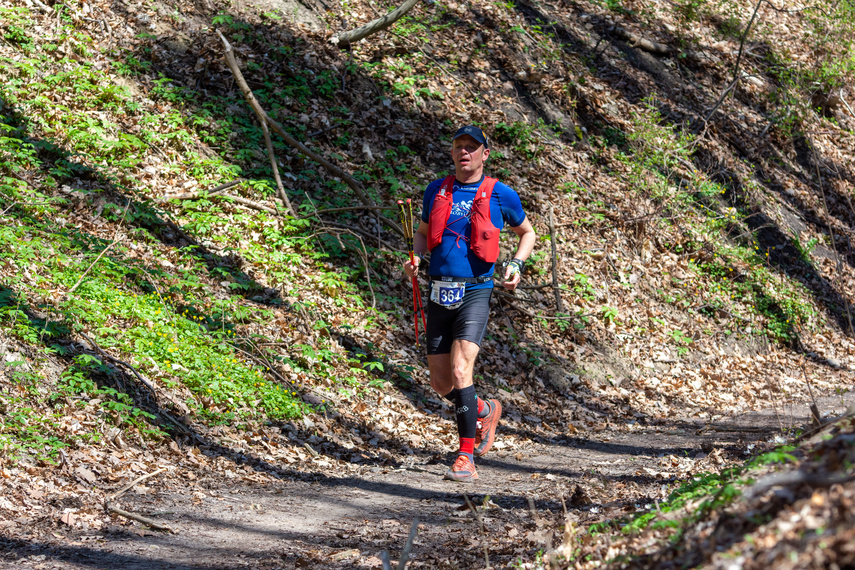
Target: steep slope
<point x="703" y="229"/>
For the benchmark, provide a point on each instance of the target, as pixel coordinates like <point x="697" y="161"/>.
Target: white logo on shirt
<point x="462" y="209"/>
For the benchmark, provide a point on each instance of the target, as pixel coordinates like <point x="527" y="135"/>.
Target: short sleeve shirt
<point x="453" y="257"/>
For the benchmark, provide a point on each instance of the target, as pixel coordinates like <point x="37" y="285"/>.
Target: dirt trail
<point x="345" y="522"/>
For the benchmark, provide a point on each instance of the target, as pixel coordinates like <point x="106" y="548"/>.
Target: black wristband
<point x="520" y="264"/>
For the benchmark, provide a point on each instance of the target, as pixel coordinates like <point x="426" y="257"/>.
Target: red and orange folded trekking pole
<point x="407" y="223"/>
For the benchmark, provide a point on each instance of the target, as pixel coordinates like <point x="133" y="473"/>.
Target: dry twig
<point x="196" y="195"/>
<point x="559" y="306"/>
<point x="414" y="529"/>
<point x="133" y="516"/>
<point x="100" y="255"/>
<point x="483" y="530"/>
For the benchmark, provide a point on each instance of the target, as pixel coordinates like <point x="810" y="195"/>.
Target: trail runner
<point x="461" y="219"/>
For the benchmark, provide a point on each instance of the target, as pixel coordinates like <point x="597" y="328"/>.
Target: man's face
<point x="469" y="156"/>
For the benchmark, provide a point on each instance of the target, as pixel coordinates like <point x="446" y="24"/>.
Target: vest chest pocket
<point x="448" y="294"/>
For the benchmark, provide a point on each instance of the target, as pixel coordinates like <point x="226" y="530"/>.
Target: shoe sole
<point x="461" y="479"/>
<point x="489" y="444"/>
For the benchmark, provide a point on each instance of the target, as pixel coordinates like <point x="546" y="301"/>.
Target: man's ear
<point x="486" y="154"/>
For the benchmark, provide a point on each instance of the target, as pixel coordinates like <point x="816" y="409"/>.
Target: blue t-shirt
<point x="453" y="257"/>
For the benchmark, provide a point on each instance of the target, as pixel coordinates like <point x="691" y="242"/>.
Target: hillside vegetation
<point x="688" y="162"/>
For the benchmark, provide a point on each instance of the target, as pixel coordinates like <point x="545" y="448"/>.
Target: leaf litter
<point x="603" y="387"/>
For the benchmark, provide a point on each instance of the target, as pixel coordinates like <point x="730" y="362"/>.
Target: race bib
<point x="448" y="294"/>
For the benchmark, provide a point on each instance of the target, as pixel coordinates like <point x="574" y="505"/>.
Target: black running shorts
<point x="466" y="322"/>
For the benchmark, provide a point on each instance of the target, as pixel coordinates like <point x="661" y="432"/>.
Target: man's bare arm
<point x="525" y="231"/>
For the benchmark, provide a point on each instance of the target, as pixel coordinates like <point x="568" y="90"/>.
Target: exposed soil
<point x="332" y="519"/>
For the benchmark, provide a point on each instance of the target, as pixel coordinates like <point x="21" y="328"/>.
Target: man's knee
<point x="461" y="374"/>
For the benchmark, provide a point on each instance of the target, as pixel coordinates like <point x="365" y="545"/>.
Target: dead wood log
<point x="642" y="43"/>
<point x="794" y="478"/>
<point x="139" y="518"/>
<point x="237" y="199"/>
<point x="377" y="25"/>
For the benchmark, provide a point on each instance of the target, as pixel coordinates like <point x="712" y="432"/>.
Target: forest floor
<point x="704" y="300"/>
<point x="309" y="516"/>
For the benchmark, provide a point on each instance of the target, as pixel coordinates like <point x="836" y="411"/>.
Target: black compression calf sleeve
<point x="467" y="411"/>
<point x="452" y="396"/>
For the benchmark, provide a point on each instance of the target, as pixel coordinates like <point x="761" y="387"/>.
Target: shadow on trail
<point x="21" y="551"/>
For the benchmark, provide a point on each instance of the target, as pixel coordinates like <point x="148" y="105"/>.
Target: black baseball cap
<point x="474" y="132"/>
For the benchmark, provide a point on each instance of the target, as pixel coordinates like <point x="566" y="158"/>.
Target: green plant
<point x="583" y="287"/>
<point x="519" y="135"/>
<point x="805" y="248"/>
<point x="609" y="314"/>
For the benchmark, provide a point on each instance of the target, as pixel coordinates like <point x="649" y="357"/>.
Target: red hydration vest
<point x="484" y="239"/>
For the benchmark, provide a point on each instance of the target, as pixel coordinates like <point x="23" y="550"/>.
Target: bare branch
<point x="100" y="255"/>
<point x="262" y="115"/>
<point x="282" y="195"/>
<point x="374" y="26"/>
<point x="559" y="306"/>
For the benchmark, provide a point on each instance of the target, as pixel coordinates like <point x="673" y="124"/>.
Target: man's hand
<point x="412" y="268"/>
<point x="513" y="274"/>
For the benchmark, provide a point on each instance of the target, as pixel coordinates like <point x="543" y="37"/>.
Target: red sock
<point x="467" y="446"/>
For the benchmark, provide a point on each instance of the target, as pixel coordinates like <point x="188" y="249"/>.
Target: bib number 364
<point x="449" y="295"/>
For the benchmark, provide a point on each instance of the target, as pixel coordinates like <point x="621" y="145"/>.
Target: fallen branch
<point x="436" y="63"/>
<point x="736" y="76"/>
<point x="242" y="201"/>
<point x="814" y="408"/>
<point x="359" y="231"/>
<point x="280" y="188"/>
<point x="115" y="360"/>
<point x="543" y="286"/>
<point x="133" y="516"/>
<point x="794" y="478"/>
<point x="40" y="5"/>
<point x="251" y="204"/>
<point x="643" y="43"/>
<point x="139" y="518"/>
<point x="196" y="195"/>
<point x="838" y="265"/>
<point x="137" y="481"/>
<point x="532" y="314"/>
<point x="100" y="255"/>
<point x="262" y="360"/>
<point x="483" y="529"/>
<point x="414" y="529"/>
<point x="349" y="208"/>
<point x="377" y="25"/>
<point x="262" y="115"/>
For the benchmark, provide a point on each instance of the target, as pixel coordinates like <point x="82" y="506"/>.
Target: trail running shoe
<point x="463" y="470"/>
<point x="486" y="432"/>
